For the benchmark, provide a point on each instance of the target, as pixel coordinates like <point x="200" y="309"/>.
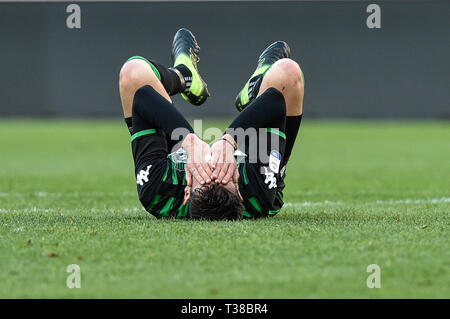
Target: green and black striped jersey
<point x="163" y="196"/>
<point x="167" y="198"/>
<point x="261" y="189"/>
<point x="161" y="182"/>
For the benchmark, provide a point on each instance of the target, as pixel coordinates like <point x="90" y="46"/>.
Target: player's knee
<point x="133" y="73"/>
<point x="290" y="71"/>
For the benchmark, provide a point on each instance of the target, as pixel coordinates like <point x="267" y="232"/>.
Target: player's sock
<point x="129" y="122"/>
<point x="173" y="79"/>
<point x="292" y="127"/>
<point x="185" y="76"/>
<point x="170" y="78"/>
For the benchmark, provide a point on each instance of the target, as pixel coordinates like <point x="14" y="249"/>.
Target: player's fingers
<point x="217" y="170"/>
<point x="240" y="196"/>
<point x="223" y="172"/>
<point x="230" y="173"/>
<point x="207" y="169"/>
<point x="236" y="175"/>
<point x="214" y="159"/>
<point x="192" y="168"/>
<point x="202" y="170"/>
<point x="188" y="178"/>
<point x="197" y="176"/>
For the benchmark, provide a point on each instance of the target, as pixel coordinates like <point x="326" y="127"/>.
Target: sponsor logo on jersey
<point x="274" y="161"/>
<point x="142" y="177"/>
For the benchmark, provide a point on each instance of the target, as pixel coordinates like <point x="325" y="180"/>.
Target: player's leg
<point x="286" y="76"/>
<point x="136" y="73"/>
<point x="275" y="69"/>
<point x="273" y="99"/>
<point x="145" y="87"/>
<point x="142" y="93"/>
<point x="151" y="111"/>
<point x="182" y="78"/>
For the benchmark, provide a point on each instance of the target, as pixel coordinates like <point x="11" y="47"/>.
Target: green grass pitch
<point x="358" y="193"/>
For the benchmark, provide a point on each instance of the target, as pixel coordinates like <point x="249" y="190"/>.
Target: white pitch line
<point x="64" y="210"/>
<point x="309" y="204"/>
<point x="406" y="201"/>
<point x="415" y="201"/>
<point x="72" y="194"/>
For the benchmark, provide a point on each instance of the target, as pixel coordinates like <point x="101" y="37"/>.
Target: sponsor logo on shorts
<point x="142" y="177"/>
<point x="270" y="180"/>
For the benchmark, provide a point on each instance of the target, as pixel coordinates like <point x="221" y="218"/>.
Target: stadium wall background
<point x="401" y="70"/>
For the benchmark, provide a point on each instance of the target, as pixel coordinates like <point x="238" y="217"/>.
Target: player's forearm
<point x="193" y="145"/>
<point x="197" y="166"/>
<point x="189" y="141"/>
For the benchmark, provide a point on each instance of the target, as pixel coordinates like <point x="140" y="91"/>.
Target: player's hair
<point x="214" y="202"/>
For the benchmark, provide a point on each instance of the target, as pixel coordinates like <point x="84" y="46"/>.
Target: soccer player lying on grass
<point x="211" y="185"/>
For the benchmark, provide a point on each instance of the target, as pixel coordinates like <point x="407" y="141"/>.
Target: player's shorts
<point x="262" y="175"/>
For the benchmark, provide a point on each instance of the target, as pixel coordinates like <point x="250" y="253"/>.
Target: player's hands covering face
<point x="199" y="154"/>
<point x="223" y="162"/>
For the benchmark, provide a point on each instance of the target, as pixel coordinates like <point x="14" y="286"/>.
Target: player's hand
<point x="223" y="162"/>
<point x="199" y="153"/>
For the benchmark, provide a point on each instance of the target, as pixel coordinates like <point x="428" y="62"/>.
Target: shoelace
<point x="194" y="58"/>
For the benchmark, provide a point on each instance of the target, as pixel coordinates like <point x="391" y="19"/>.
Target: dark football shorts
<point x="262" y="174"/>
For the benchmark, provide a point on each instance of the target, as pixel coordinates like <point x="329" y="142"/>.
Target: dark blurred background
<point x="399" y="71"/>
